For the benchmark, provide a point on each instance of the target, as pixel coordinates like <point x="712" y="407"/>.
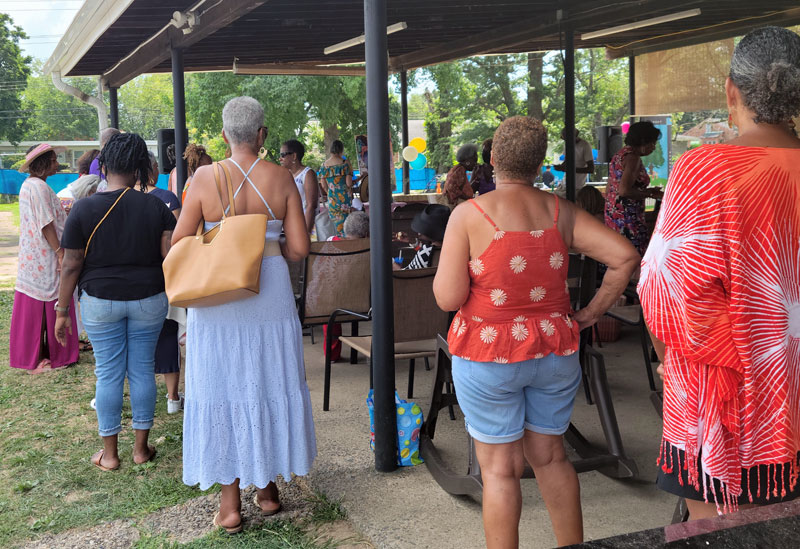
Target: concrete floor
<point x="407" y="508"/>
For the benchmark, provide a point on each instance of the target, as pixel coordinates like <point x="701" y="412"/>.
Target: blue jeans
<point x="124" y="336"/>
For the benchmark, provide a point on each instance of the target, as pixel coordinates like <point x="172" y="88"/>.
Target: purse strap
<point x="86" y="249"/>
<point x="231" y="197"/>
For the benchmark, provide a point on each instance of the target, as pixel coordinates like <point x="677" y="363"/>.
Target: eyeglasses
<point x="285" y="154"/>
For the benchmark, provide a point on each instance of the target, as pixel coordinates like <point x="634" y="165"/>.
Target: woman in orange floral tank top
<point x="514" y="339"/>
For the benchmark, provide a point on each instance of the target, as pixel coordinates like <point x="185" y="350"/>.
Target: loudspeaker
<point x="166" y="137"/>
<point x="609" y="142"/>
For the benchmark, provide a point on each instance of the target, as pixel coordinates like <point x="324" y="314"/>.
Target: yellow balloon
<point x="419" y="144"/>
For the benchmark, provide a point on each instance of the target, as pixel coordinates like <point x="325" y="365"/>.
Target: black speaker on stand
<point x="165" y="137"/>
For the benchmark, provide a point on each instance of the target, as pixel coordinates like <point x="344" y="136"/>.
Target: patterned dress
<point x="720" y="286"/>
<point x="518" y="306"/>
<point x="37" y="282"/>
<point x="339" y="196"/>
<point x="626" y="215"/>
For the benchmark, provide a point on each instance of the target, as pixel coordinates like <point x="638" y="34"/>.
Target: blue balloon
<point x="419" y="162"/>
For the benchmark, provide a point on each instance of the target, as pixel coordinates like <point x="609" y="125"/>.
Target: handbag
<point x="222" y="264"/>
<point x="409" y="423"/>
<point x="324" y="226"/>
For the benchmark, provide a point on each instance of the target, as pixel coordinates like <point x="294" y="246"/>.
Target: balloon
<point x="419" y="144"/>
<point x="410" y="154"/>
<point x="419" y="162"/>
<point x="625" y="127"/>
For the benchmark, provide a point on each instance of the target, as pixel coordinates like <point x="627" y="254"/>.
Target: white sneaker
<point x="92" y="404"/>
<point x="175" y="406"/>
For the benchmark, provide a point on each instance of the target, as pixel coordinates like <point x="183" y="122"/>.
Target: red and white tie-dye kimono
<point x="720" y="286"/>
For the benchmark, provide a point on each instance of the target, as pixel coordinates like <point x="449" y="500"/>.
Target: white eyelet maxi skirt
<point x="248" y="411"/>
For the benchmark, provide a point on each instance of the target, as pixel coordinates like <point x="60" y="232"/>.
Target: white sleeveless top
<point x="299" y="180"/>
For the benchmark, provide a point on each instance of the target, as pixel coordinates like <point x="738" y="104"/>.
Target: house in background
<point x="72" y="150"/>
<point x="708" y="132"/>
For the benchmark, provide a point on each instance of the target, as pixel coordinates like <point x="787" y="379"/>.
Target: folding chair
<point x="417" y="323"/>
<point x="336" y="276"/>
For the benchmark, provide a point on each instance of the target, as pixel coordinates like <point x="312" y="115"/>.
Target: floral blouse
<point x="37" y="274"/>
<point x="518" y="306"/>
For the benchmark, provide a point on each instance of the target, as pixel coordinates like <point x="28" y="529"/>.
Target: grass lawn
<point x="14" y="209"/>
<point x="47" y="483"/>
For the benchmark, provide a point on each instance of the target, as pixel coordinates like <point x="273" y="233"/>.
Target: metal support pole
<point x="179" y="102"/>
<point x="404" y="113"/>
<point x="632" y="84"/>
<point x="114" y="107"/>
<point x="569" y="112"/>
<point x="380" y="224"/>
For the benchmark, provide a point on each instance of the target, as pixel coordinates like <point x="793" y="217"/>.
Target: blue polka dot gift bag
<point x="409" y="422"/>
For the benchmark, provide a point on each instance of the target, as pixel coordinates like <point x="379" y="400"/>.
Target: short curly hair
<point x="519" y="147"/>
<point x="766" y="69"/>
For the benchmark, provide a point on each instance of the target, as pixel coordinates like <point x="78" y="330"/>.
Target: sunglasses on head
<point x="285" y="154"/>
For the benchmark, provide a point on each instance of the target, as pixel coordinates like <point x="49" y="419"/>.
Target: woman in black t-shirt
<point x="115" y="242"/>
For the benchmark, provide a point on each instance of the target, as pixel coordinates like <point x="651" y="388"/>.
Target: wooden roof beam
<point x="584" y="15"/>
<point x="298" y="68"/>
<point x="692" y="37"/>
<point x="157" y="48"/>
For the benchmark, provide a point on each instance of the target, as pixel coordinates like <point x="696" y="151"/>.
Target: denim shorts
<point x="500" y="401"/>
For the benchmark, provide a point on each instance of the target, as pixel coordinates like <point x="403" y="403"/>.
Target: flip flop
<point x="228" y="529"/>
<point x="267" y="513"/>
<point x="44" y="366"/>
<point x="96" y="458"/>
<point x="151" y="458"/>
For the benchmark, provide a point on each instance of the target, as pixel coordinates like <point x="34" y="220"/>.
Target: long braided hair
<point x="125" y="154"/>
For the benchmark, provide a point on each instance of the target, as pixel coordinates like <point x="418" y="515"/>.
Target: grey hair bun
<point x="766" y="69"/>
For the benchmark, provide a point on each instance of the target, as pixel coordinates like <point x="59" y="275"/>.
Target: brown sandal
<point x="267" y="513"/>
<point x="97" y="458"/>
<point x="229" y="529"/>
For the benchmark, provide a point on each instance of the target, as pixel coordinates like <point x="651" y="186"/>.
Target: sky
<point x="44" y="21"/>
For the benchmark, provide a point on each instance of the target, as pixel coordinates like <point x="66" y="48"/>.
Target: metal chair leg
<point x="427" y="365"/>
<point x="451" y="390"/>
<point x="354" y="333"/>
<point x="411" y="378"/>
<point x="645" y="340"/>
<point x="326" y="395"/>
<point x="312" y="335"/>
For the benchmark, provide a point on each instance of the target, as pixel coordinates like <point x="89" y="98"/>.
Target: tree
<point x="285" y="111"/>
<point x="291" y="103"/>
<point x="14" y="71"/>
<point x="56" y="116"/>
<point x="145" y="105"/>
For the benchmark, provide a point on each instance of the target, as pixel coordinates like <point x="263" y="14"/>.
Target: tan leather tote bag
<point x="220" y="265"/>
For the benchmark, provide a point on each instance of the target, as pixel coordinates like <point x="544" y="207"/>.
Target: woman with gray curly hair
<point x="720" y="289"/>
<point x="248" y="410"/>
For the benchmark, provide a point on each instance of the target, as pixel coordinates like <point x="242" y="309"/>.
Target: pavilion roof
<point x="124" y="38"/>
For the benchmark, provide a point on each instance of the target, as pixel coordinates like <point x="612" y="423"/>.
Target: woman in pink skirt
<point x="33" y="345"/>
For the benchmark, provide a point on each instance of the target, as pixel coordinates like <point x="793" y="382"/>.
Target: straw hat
<point x="36" y="153"/>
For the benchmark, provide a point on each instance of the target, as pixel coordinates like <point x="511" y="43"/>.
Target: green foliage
<point x="324" y="510"/>
<point x="601" y="93"/>
<point x="145" y="105"/>
<point x="278" y="534"/>
<point x="290" y="104"/>
<point x="57" y="116"/>
<point x="469" y="98"/>
<point x="14" y="71"/>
